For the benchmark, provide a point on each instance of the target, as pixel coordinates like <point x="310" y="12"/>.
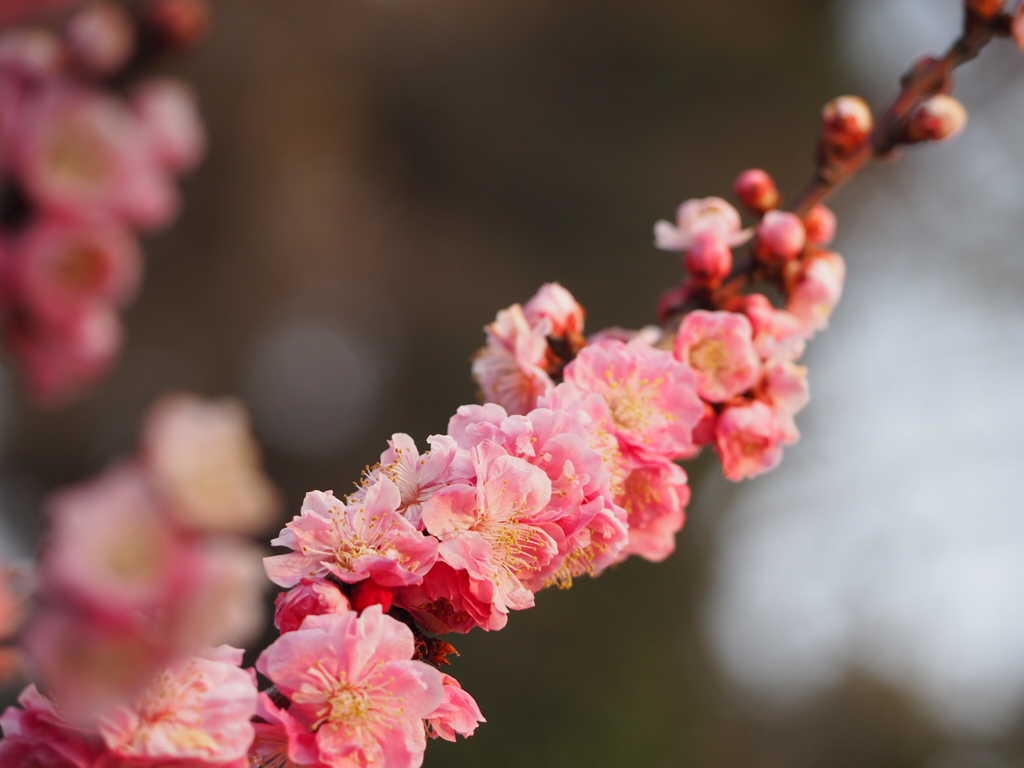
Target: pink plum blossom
<point x="778" y="334"/>
<point x="651" y="396"/>
<point x="417" y="477"/>
<point x="694" y="217"/>
<point x="353" y="685"/>
<point x="655" y="498"/>
<point x="280" y="741"/>
<point x="719" y="347"/>
<point x="496" y="530"/>
<point x="168" y="115"/>
<point x="756" y="190"/>
<point x="355" y="541"/>
<point x="458" y="713"/>
<point x="37" y="735"/>
<point x="310" y="597"/>
<point x="111" y="546"/>
<point x="816" y="290"/>
<point x="510" y="369"/>
<point x="558" y="306"/>
<point x="206" y="465"/>
<point x="197" y="711"/>
<point x="448" y="600"/>
<point x="786" y="389"/>
<point x="80" y="150"/>
<point x="100" y="38"/>
<point x="59" y="361"/>
<point x="748" y="439"/>
<point x="63" y="268"/>
<point x="709" y="259"/>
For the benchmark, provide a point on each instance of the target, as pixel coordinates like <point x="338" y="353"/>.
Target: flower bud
<point x="709" y="259"/>
<point x="100" y="38"/>
<point x="820" y="224"/>
<point x="757" y="190"/>
<point x="986" y="9"/>
<point x="846" y="125"/>
<point x="369" y="592"/>
<point x="780" y="237"/>
<point x="180" y="24"/>
<point x="939" y="118"/>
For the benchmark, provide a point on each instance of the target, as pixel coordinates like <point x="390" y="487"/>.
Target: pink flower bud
<point x="780" y="237"/>
<point x="939" y="118"/>
<point x="820" y="224"/>
<point x="748" y="440"/>
<point x="100" y="38"/>
<point x="757" y="190"/>
<point x="846" y="124"/>
<point x="369" y="592"/>
<point x="709" y="259"/>
<point x="310" y="597"/>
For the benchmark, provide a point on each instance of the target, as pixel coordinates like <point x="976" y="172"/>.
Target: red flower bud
<point x="940" y="117"/>
<point x="757" y="190"/>
<point x="820" y="224"/>
<point x="709" y="259"/>
<point x="846" y="125"/>
<point x="369" y="592"/>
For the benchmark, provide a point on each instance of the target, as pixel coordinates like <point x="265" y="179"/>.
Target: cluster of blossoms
<point x="150" y="561"/>
<point x="568" y="467"/>
<point x="85" y="161"/>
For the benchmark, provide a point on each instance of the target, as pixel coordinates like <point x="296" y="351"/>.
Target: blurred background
<point x="385" y="175"/>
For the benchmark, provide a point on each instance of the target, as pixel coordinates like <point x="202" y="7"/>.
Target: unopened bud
<point x="820" y="224"/>
<point x="369" y="592"/>
<point x="780" y="237"/>
<point x="100" y="38"/>
<point x="939" y="118"/>
<point x="709" y="259"/>
<point x="757" y="190"/>
<point x="179" y="24"/>
<point x="987" y="9"/>
<point x="846" y="125"/>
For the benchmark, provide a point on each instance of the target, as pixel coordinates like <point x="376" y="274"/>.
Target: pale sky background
<point x="891" y="539"/>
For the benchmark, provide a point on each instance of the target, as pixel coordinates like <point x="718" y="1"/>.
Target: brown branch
<point x="925" y="79"/>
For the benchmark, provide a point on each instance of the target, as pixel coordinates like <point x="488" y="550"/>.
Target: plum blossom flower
<point x="417" y="477"/>
<point x="778" y="334"/>
<point x="510" y="369"/>
<point x="719" y="348"/>
<point x="786" y="389"/>
<point x="206" y="465"/>
<point x="458" y="713"/>
<point x="748" y="439"/>
<point x="168" y="116"/>
<point x="364" y="539"/>
<point x="655" y="498"/>
<point x="36" y="734"/>
<point x="559" y="307"/>
<point x="354" y="686"/>
<point x="816" y="290"/>
<point x="651" y="396"/>
<point x="310" y="597"/>
<point x="197" y="711"/>
<point x="694" y="217"/>
<point x="448" y="600"/>
<point x="496" y="530"/>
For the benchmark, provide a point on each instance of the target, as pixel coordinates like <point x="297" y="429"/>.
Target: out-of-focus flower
<point x="694" y="217"/>
<point x="719" y="347"/>
<point x="815" y="290"/>
<point x="846" y="125"/>
<point x="100" y="38"/>
<point x="35" y="734"/>
<point x="780" y="237"/>
<point x="748" y="440"/>
<point x="757" y="190"/>
<point x="206" y="465"/>
<point x="940" y="118"/>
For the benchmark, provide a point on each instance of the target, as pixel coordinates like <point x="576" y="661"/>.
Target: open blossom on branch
<point x="719" y="346"/>
<point x="357" y="697"/>
<point x="709" y="216"/>
<point x="361" y="539"/>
